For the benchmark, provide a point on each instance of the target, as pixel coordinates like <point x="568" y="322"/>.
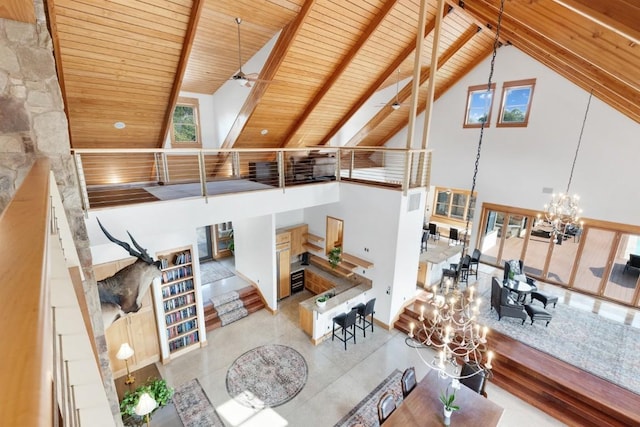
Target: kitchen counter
<point x="347" y="292"/>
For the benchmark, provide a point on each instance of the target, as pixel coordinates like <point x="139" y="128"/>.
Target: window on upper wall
<point x="454" y="204"/>
<point x="479" y="103"/>
<point x="516" y="103"/>
<point x="186" y="124"/>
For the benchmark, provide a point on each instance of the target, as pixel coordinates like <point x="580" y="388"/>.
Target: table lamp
<point x="145" y="406"/>
<point x="125" y="353"/>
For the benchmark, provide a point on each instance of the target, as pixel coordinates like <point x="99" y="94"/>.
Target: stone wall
<point x="33" y="124"/>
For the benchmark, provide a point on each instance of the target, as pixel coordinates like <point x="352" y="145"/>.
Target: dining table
<point x="422" y="407"/>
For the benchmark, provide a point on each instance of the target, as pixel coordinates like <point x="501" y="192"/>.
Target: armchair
<point x="503" y="304"/>
<point x="517" y="268"/>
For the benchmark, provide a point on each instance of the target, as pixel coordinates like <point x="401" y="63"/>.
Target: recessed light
<point x="119" y="125"/>
<point x="264" y="131"/>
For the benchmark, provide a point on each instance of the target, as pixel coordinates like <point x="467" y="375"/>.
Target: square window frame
<point x="506" y="86"/>
<point x="195" y="104"/>
<point x="470" y="91"/>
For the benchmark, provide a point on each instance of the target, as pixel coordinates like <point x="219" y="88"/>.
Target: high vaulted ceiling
<point x="127" y="60"/>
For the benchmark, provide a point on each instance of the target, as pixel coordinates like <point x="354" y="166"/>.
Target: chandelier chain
<point x="575" y="157"/>
<point x="496" y="45"/>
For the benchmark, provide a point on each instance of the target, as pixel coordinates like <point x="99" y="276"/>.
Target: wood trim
<point x="191" y="102"/>
<point x="25" y="370"/>
<point x="477" y="88"/>
<point x="506" y="86"/>
<point x="196" y="10"/>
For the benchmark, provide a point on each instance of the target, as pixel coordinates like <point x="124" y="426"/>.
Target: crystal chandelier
<point x="563" y="211"/>
<point x="448" y="325"/>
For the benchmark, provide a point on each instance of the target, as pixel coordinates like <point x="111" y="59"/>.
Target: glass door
<point x="623" y="278"/>
<point x="593" y="264"/>
<point x="491" y="244"/>
<point x="205" y="249"/>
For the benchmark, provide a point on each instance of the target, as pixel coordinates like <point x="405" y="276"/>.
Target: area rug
<point x="194" y="407"/>
<point x="365" y="413"/>
<point x="179" y="191"/>
<point x="603" y="347"/>
<point x="267" y="376"/>
<point x="213" y="271"/>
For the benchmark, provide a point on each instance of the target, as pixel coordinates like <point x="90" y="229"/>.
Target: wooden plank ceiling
<point x="126" y="60"/>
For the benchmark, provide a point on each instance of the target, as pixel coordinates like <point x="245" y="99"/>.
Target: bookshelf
<point x="178" y="307"/>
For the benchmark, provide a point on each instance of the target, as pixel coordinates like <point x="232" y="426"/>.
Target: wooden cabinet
<point x="315" y="283"/>
<point x="283" y="263"/>
<point x="138" y="329"/>
<point x="297" y="238"/>
<point x="179" y="309"/>
<point x="221" y="238"/>
<point x="422" y="274"/>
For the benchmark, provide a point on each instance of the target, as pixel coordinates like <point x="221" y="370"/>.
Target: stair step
<point x="250" y="298"/>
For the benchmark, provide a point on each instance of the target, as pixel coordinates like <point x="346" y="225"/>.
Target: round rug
<point x="267" y="376"/>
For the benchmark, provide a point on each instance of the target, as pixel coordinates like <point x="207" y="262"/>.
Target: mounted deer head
<point x="123" y="292"/>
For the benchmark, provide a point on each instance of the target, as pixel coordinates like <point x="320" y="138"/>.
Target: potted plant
<point x="334" y="256"/>
<point x="157" y="388"/>
<point x="322" y="301"/>
<point x="449" y="406"/>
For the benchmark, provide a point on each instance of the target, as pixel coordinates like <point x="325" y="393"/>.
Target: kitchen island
<point x="344" y="292"/>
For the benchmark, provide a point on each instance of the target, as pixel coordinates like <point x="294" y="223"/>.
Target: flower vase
<point x="447" y="416"/>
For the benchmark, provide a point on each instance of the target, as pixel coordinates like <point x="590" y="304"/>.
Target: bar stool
<point x="365" y="310"/>
<point x="449" y="273"/>
<point x="347" y="322"/>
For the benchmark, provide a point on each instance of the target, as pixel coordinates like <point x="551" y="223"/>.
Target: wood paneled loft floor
<point x="337" y="379"/>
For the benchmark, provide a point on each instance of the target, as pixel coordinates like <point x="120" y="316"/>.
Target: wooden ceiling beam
<point x="371" y="29"/>
<point x="571" y="66"/>
<point x="379" y="82"/>
<point x="278" y="54"/>
<point x="405" y="92"/>
<point x="18" y="10"/>
<point x="580" y="36"/>
<point x="196" y="10"/>
<point x="619" y="16"/>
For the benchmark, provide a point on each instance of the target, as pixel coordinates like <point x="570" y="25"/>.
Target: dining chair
<point x="408" y="381"/>
<point x="433" y="231"/>
<point x="453" y="235"/>
<point x="474" y="377"/>
<point x="386" y="406"/>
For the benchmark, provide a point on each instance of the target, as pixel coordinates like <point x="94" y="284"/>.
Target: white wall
<point x="255" y="257"/>
<point x="377" y="228"/>
<point x="516" y="163"/>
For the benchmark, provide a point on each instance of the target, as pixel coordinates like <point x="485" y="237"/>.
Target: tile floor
<point x="337" y="379"/>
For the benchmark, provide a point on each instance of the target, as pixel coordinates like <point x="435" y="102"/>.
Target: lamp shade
<point x="145" y="405"/>
<point x="125" y="352"/>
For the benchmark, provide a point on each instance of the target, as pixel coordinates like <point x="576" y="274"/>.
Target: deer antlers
<point x="142" y="255"/>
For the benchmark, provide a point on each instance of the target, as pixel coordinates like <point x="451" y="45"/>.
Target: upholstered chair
<point x="408" y="381"/>
<point x="386" y="406"/>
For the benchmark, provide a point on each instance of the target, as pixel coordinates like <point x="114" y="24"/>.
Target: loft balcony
<point x="115" y="177"/>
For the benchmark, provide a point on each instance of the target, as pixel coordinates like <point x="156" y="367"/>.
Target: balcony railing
<point x="50" y="371"/>
<point x="110" y="177"/>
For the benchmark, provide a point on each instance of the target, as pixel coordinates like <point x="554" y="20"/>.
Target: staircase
<point x="236" y="305"/>
<point x="410" y="314"/>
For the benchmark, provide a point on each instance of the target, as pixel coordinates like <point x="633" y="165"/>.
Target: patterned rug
<point x="213" y="271"/>
<point x="601" y="346"/>
<point x="365" y="414"/>
<point x="193" y="406"/>
<point x="267" y="376"/>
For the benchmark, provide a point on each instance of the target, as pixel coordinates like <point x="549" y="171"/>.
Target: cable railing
<point x="109" y="177"/>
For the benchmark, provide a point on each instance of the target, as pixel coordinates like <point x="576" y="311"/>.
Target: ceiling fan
<point x="243" y="79"/>
<point x="396" y="103"/>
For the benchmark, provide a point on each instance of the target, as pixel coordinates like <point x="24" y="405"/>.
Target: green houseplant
<point x="448" y="402"/>
<point x="156" y="387"/>
<point x="334" y="256"/>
